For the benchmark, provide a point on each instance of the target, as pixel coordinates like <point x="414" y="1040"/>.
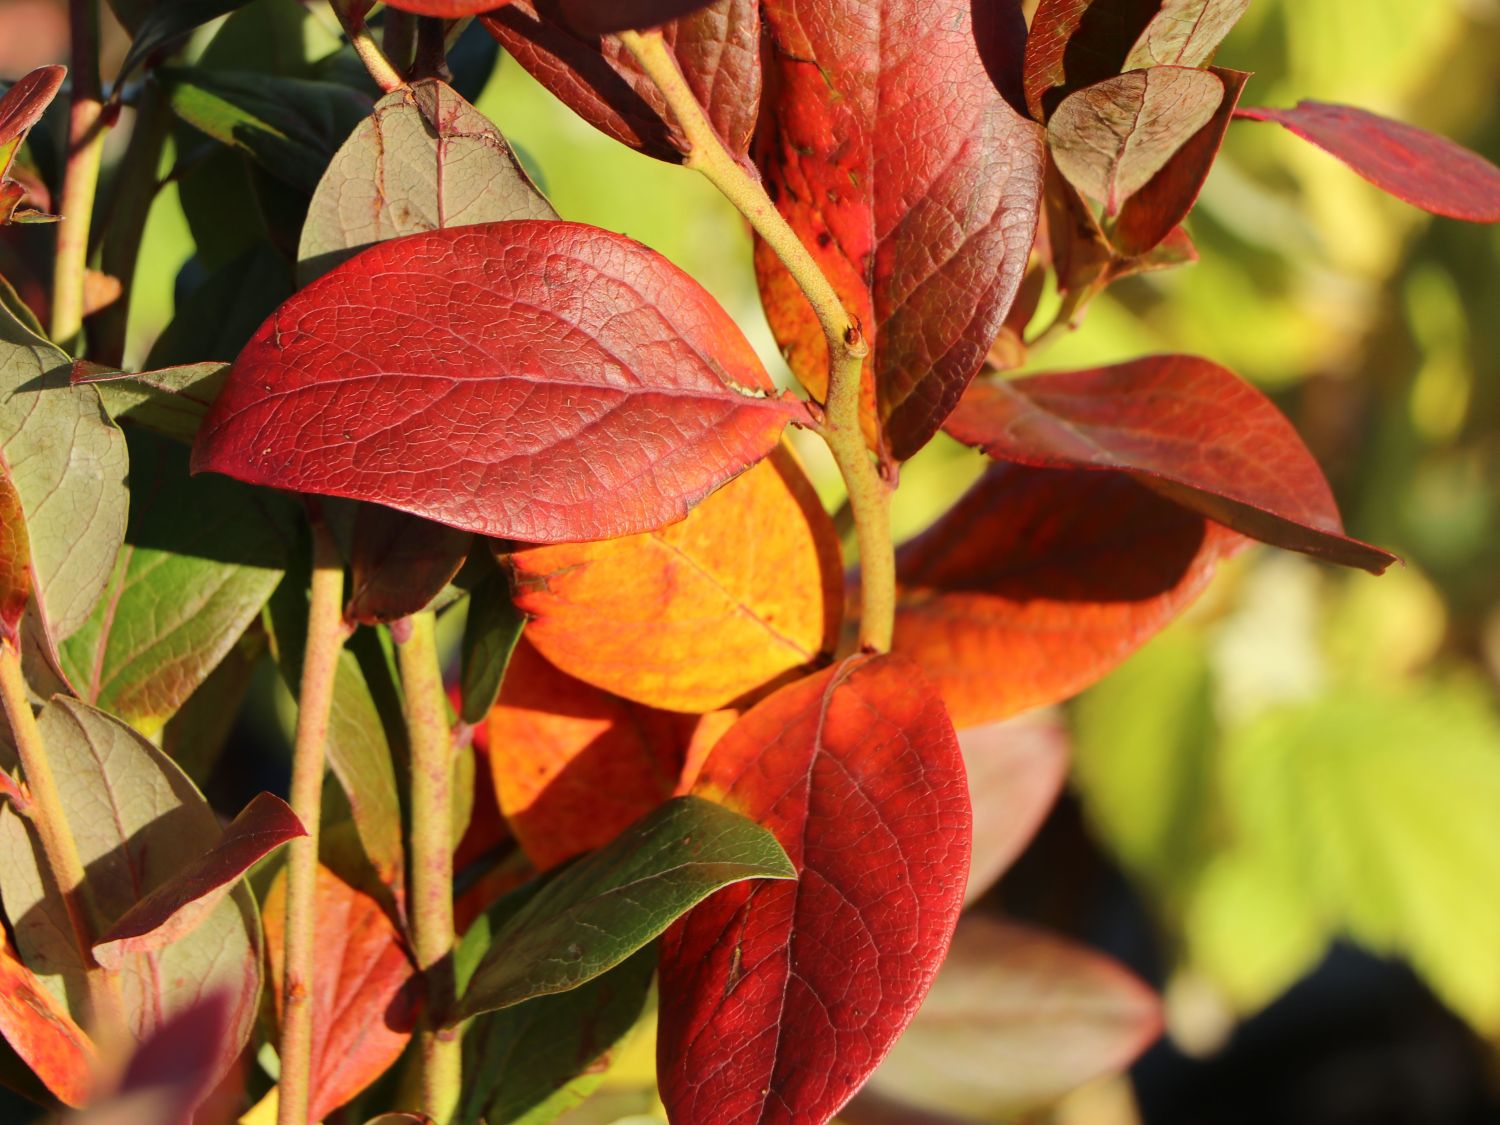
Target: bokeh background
<point x="1285" y="811"/>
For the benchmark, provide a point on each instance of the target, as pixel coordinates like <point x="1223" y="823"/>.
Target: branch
<point x="86" y="128"/>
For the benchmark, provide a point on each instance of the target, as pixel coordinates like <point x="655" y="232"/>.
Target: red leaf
<point x="1016" y="770"/>
<point x="1185" y="427"/>
<point x="178" y="905"/>
<point x="573" y="765"/>
<point x="779" y="1000"/>
<point x="22" y="106"/>
<point x="533" y="380"/>
<point x="1426" y="170"/>
<point x="364" y="988"/>
<point x="448" y="9"/>
<point x="717" y="48"/>
<point x="173" y="1072"/>
<point x="912" y="182"/>
<point x="1153" y="212"/>
<point x="399" y="563"/>
<point x="604" y="16"/>
<point x="1039" y="581"/>
<point x="39" y="1029"/>
<point x="15" y="560"/>
<point x="1075" y="43"/>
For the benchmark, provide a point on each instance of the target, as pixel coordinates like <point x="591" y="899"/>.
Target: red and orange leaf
<point x="22" y="106"/>
<point x="1039" y="581"/>
<point x="178" y="905"/>
<point x="1426" y="170"/>
<point x="1153" y="212"/>
<point x="1185" y="427"/>
<point x="1075" y="43"/>
<point x="574" y="766"/>
<point x="534" y="380"/>
<point x="447" y="9"/>
<point x="778" y="1000"/>
<point x="717" y="48"/>
<point x="604" y="16"/>
<point x="1016" y="770"/>
<point x="39" y="1029"/>
<point x="745" y="592"/>
<point x="365" y="989"/>
<point x="914" y="185"/>
<point x="15" y="560"/>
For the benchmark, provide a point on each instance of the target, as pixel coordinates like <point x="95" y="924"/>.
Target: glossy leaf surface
<point x="173" y="909"/>
<point x="599" y="911"/>
<point x="575" y="386"/>
<point x="172" y="401"/>
<point x="1017" y="1018"/>
<point x="1039" y="581"/>
<point x="574" y="766"/>
<point x="717" y="49"/>
<point x="200" y="558"/>
<point x="138" y="823"/>
<point x="39" y="1029"/>
<point x="778" y="1000"/>
<point x="68" y="465"/>
<point x="1111" y="138"/>
<point x="423" y="160"/>
<point x="1185" y="33"/>
<point x="1183" y="426"/>
<point x="1153" y="212"/>
<point x="1426" y="170"/>
<point x="912" y="182"/>
<point x="365" y="989"/>
<point x="22" y="106"/>
<point x="746" y="591"/>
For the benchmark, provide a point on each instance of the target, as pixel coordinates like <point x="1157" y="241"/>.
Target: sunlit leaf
<point x="1185" y="32"/>
<point x="746" y="591"/>
<point x="40" y="1030"/>
<point x="1075" y="43"/>
<point x="779" y="999"/>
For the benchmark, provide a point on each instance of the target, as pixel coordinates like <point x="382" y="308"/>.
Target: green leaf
<point x="167" y="22"/>
<point x="68" y="464"/>
<point x="290" y="126"/>
<point x="607" y="905"/>
<point x="171" y="401"/>
<point x="1379" y="808"/>
<point x="424" y="159"/>
<point x="531" y="1062"/>
<point x="222" y="313"/>
<point x="491" y="633"/>
<point x="137" y="821"/>
<point x="195" y="736"/>
<point x="201" y="556"/>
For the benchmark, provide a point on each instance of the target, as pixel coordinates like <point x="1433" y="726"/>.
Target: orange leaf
<point x="742" y="594"/>
<point x="364" y="988"/>
<point x="40" y="1030"/>
<point x="573" y="765"/>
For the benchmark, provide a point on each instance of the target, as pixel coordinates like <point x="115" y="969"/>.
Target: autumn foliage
<point x="691" y="738"/>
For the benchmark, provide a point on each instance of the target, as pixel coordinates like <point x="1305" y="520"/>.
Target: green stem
<point x="431" y="861"/>
<point x="59" y="852"/>
<point x="135" y="191"/>
<point x="380" y="68"/>
<point x="86" y="129"/>
<point x="326" y="632"/>
<point x="869" y="492"/>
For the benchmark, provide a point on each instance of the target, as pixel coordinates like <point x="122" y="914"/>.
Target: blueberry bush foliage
<point x="691" y="762"/>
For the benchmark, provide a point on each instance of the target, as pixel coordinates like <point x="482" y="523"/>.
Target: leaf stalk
<point x="87" y="125"/>
<point x="869" y="491"/>
<point x="376" y="62"/>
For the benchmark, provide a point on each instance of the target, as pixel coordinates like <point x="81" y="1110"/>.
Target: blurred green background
<point x="1286" y="809"/>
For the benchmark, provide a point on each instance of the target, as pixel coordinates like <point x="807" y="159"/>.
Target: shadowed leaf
<point x="717" y="48"/>
<point x="166" y="24"/>
<point x="1183" y="426"/>
<point x="574" y="766"/>
<point x="138" y="823"/>
<point x="746" y="591"/>
<point x="914" y="185"/>
<point x="1185" y="33"/>
<point x="1153" y="212"/>
<point x="172" y="401"/>
<point x="423" y="160"/>
<point x="1109" y="139"/>
<point x="1426" y="170"/>
<point x="574" y="385"/>
<point x="365" y="990"/>
<point x="399" y="564"/>
<point x="491" y="631"/>
<point x="1016" y="1019"/>
<point x="1075" y="43"/>
<point x="778" y="1000"/>
<point x="604" y="16"/>
<point x="178" y="905"/>
<point x="597" y="912"/>
<point x="40" y="1030"/>
<point x="1039" y="581"/>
